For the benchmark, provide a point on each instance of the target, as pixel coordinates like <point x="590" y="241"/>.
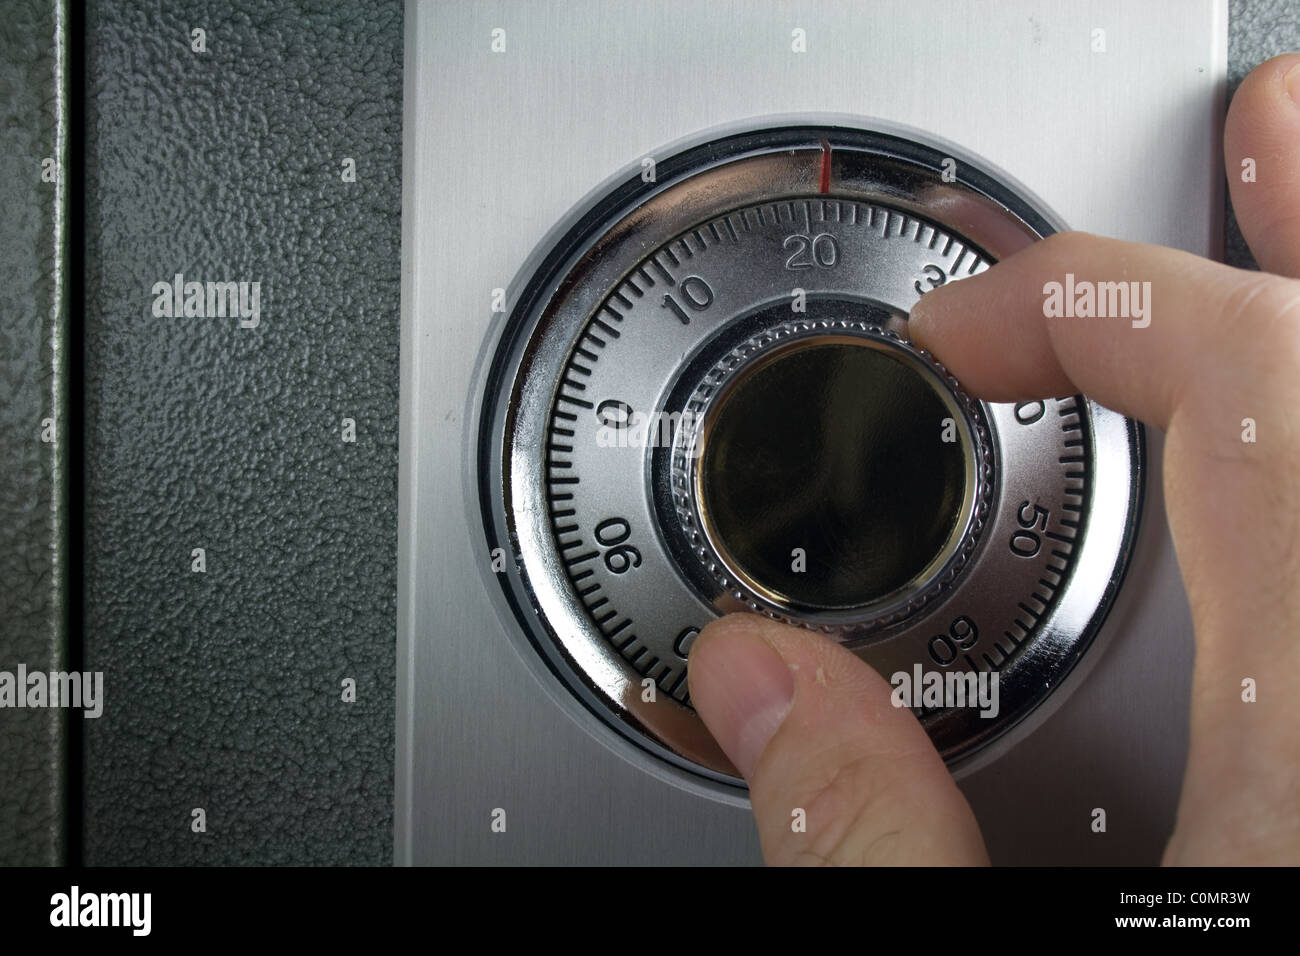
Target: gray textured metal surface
<point x="223" y="688"/>
<point x="33" y="389"/>
<point x="480" y="727"/>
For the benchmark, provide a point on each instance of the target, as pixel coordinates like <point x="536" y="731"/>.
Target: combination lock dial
<point x="705" y="400"/>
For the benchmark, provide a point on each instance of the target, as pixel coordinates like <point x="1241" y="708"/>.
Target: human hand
<point x="810" y="725"/>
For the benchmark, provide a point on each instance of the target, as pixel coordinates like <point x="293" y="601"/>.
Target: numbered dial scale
<point x="705" y="401"/>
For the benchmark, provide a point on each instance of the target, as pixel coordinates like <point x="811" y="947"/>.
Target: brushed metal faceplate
<point x="500" y="144"/>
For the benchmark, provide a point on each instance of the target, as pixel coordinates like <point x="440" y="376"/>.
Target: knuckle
<point x="1262" y="319"/>
<point x="1254" y="337"/>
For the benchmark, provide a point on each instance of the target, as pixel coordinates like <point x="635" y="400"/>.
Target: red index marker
<point x="826" y="168"/>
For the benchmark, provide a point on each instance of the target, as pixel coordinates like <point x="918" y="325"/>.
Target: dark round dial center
<point x="833" y="474"/>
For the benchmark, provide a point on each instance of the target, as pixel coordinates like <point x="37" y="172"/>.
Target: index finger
<point x="1206" y="350"/>
<point x="1186" y="324"/>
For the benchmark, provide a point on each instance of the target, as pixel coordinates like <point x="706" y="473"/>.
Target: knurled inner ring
<point x="685" y="459"/>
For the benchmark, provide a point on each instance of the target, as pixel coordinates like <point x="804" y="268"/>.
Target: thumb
<point x="837" y="774"/>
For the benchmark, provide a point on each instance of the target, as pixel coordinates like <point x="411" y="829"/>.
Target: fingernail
<point x="1292" y="80"/>
<point x="743" y="689"/>
<point x="918" y="318"/>
<point x="923" y="311"/>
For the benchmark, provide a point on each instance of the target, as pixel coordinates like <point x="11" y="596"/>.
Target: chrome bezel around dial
<point x="598" y="246"/>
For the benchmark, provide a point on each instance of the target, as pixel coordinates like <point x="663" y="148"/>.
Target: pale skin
<point x="811" y="726"/>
